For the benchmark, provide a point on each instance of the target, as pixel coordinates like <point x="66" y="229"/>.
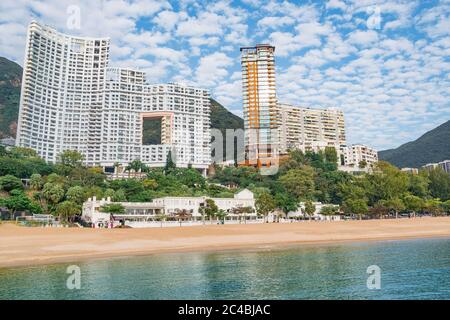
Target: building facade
<point x="62" y="93"/>
<point x="444" y="165"/>
<point x="359" y="155"/>
<point x="310" y="129"/>
<point x="71" y="99"/>
<point x="141" y="214"/>
<point x="183" y="113"/>
<point x="410" y="170"/>
<point x="259" y="104"/>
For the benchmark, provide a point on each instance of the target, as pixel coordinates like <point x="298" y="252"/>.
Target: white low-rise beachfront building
<point x="300" y="212"/>
<point x="168" y="211"/>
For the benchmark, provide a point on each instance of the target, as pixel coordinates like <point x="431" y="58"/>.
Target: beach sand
<point x="24" y="246"/>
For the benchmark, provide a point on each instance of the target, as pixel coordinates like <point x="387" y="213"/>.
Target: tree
<point x="413" y="203"/>
<point x="395" y="204"/>
<point x="327" y="185"/>
<point x="221" y="215"/>
<point x="136" y="166"/>
<point x="296" y="159"/>
<point x="189" y="177"/>
<point x="54" y="178"/>
<point x="67" y="211"/>
<point x="119" y="195"/>
<point x="10" y="182"/>
<point x="86" y="177"/>
<point x="129" y="186"/>
<point x="362" y="164"/>
<point x="3" y="151"/>
<point x="331" y="155"/>
<point x="18" y="201"/>
<point x="22" y="153"/>
<point x="439" y="184"/>
<point x="53" y="193"/>
<point x="310" y="209"/>
<point x="113" y="209"/>
<point x="109" y="193"/>
<point x="242" y="211"/>
<point x="446" y="206"/>
<point x="116" y="167"/>
<point x="76" y="194"/>
<point x="265" y="204"/>
<point x="355" y="206"/>
<point x="150" y="184"/>
<point x="170" y="164"/>
<point x="70" y="158"/>
<point x="299" y="182"/>
<point x="433" y="206"/>
<point x="208" y="209"/>
<point x="418" y="184"/>
<point x="379" y="209"/>
<point x="329" y="210"/>
<point x="387" y="182"/>
<point x="36" y="181"/>
<point x="286" y="202"/>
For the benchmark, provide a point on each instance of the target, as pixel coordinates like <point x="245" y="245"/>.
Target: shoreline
<point x="30" y="246"/>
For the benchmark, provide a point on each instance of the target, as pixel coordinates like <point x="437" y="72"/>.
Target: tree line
<point x="60" y="189"/>
<point x="309" y="177"/>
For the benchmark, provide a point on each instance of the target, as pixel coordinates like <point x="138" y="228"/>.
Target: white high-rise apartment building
<point x="62" y="93"/>
<point x="310" y="129"/>
<point x="355" y="154"/>
<point x="444" y="165"/>
<point x="71" y="99"/>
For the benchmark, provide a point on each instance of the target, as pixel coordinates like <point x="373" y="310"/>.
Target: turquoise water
<point x="412" y="269"/>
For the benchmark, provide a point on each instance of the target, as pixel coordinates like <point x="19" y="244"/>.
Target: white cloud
<point x="275" y="22"/>
<point x="212" y="68"/>
<point x="206" y="23"/>
<point x="169" y="19"/>
<point x="336" y="4"/>
<point x="395" y="78"/>
<point x="363" y="38"/>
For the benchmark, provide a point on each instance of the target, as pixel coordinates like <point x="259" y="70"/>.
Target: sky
<point x="386" y="64"/>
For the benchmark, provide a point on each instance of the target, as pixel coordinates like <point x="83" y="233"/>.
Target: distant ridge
<point x="10" y="85"/>
<point x="433" y="146"/>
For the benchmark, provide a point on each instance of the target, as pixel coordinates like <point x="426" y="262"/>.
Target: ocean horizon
<point x="408" y="269"/>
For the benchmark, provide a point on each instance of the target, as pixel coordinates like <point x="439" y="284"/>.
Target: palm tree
<point x="221" y="214"/>
<point x="161" y="217"/>
<point x="183" y="214"/>
<point x="137" y="166"/>
<point x="116" y="168"/>
<point x="242" y="211"/>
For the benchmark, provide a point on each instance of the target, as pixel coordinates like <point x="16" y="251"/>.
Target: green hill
<point x="223" y="119"/>
<point x="433" y="146"/>
<point x="10" y="84"/>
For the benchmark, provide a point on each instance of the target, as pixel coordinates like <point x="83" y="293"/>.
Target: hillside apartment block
<point x="272" y="128"/>
<point x="72" y="99"/>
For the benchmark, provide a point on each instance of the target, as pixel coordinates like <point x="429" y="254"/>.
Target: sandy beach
<point x="24" y="246"/>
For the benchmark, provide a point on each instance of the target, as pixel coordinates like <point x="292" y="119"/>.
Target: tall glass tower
<point x="259" y="104"/>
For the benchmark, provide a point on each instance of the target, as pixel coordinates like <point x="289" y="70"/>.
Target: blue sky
<point x="384" y="63"/>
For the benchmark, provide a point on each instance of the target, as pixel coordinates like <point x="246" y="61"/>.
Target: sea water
<point x="408" y="269"/>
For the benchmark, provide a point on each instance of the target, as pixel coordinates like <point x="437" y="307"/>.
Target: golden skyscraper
<point x="259" y="105"/>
